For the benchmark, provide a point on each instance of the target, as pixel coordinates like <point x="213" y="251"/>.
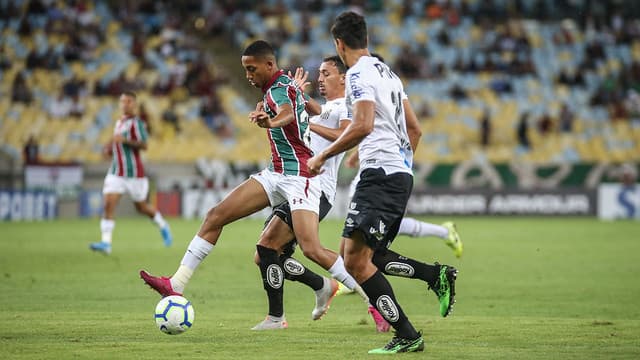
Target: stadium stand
<point x="459" y="58"/>
<point x="63" y="64"/>
<point x="562" y="89"/>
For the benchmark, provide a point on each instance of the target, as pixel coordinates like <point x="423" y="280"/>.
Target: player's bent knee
<point x="312" y="253"/>
<point x="354" y="266"/>
<point x="214" y="219"/>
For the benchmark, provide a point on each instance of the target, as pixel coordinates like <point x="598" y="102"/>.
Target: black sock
<point x="392" y="263"/>
<point x="295" y="271"/>
<point x="272" y="279"/>
<point x="381" y="296"/>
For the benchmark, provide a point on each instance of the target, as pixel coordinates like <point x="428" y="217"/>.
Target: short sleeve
<point x="279" y="95"/>
<point x="404" y="96"/>
<point x="344" y="112"/>
<point x="140" y="130"/>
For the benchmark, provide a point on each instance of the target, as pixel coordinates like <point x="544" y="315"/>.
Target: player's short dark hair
<point x="259" y="48"/>
<point x="351" y="28"/>
<point x="130" y="94"/>
<point x="335" y="59"/>
<point x="377" y="56"/>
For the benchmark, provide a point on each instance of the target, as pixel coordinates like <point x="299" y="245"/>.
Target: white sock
<point x="339" y="272"/>
<point x="198" y="249"/>
<point x="159" y="220"/>
<point x="106" y="228"/>
<point x="415" y="228"/>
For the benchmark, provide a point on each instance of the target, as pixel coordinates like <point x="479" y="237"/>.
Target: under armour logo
<point x="296" y="201"/>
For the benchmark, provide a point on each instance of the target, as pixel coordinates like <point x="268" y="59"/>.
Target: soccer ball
<point x="174" y="315"/>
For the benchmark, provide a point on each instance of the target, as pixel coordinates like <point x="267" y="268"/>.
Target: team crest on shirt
<point x="325" y="115"/>
<point x="379" y="232"/>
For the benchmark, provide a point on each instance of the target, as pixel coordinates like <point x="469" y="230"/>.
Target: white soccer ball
<point x="174" y="315"/>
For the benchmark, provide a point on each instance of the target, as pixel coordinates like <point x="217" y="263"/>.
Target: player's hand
<point x="300" y="78"/>
<point x="260" y="106"/>
<point x="260" y="118"/>
<point x="107" y="150"/>
<point x="118" y="139"/>
<point x="315" y="165"/>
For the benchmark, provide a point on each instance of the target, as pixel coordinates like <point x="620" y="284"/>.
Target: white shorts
<point x="300" y="192"/>
<point x="137" y="188"/>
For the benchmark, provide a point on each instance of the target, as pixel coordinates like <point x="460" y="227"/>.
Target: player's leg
<point x="272" y="273"/>
<point x="358" y="256"/>
<point x="377" y="208"/>
<point x="381" y="324"/>
<point x="246" y="199"/>
<point x="278" y="229"/>
<point x="305" y="227"/>
<point x="112" y="190"/>
<point x="447" y="231"/>
<point x="440" y="278"/>
<point x="304" y="199"/>
<point x="139" y="191"/>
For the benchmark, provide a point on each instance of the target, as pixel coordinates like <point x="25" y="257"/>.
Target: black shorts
<point x="283" y="211"/>
<point x="378" y="206"/>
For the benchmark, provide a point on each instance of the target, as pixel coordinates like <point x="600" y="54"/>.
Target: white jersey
<point x="333" y="112"/>
<point x="387" y="146"/>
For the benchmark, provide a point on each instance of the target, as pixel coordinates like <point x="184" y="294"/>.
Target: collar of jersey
<point x="273" y="79"/>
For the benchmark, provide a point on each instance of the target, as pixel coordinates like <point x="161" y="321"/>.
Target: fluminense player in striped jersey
<point x="126" y="174"/>
<point x="287" y="179"/>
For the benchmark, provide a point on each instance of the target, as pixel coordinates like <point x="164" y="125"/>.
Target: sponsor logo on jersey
<point x="399" y="269"/>
<point x="274" y="276"/>
<point x="388" y="308"/>
<point x="356" y="90"/>
<point x="293" y="267"/>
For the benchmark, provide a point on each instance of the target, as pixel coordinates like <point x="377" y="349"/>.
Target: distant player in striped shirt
<point x="126" y="174"/>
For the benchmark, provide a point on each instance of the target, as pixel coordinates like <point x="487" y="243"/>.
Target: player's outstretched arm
<point x="136" y="144"/>
<point x="300" y="81"/>
<point x="329" y="133"/>
<point x="413" y="126"/>
<point x="360" y="127"/>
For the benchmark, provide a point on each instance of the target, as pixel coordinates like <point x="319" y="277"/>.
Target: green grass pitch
<point x="547" y="288"/>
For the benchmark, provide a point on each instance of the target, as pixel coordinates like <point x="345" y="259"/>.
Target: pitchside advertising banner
<point x="27" y="205"/>
<point x="475" y="173"/>
<point x="65" y="180"/>
<point x="618" y="201"/>
<point x="570" y="202"/>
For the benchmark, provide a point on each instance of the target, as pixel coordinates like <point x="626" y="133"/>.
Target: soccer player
<point x="378" y="127"/>
<point x="287" y="179"/>
<point x="126" y="174"/>
<point x="330" y="120"/>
